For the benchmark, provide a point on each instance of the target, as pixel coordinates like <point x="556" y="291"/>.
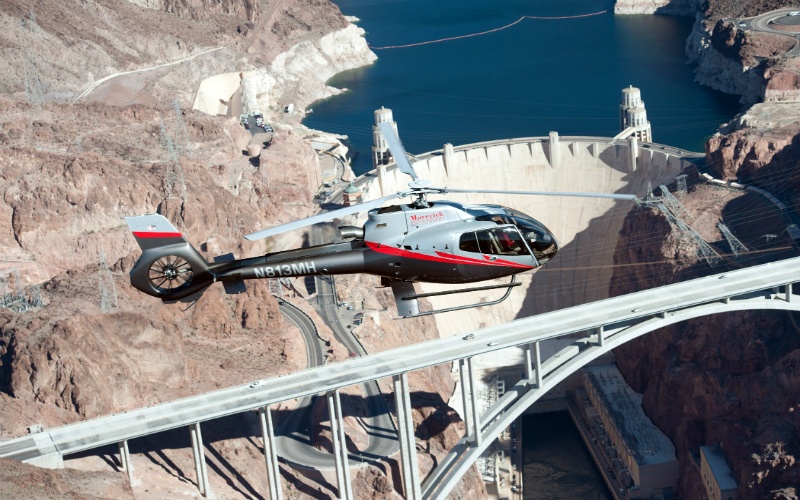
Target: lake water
<point x="540" y="75"/>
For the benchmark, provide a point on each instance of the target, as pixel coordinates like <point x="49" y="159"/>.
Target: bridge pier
<point x="469" y="395"/>
<point x="601" y="335"/>
<point x="125" y="460"/>
<point x="472" y="422"/>
<point x="339" y="439"/>
<point x="538" y="358"/>
<point x="465" y="390"/>
<point x="270" y="454"/>
<point x="528" y="362"/>
<point x="408" y="447"/>
<point x="789" y="292"/>
<point x="200" y="460"/>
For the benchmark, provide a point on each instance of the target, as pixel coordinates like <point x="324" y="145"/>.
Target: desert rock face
<point x="744" y="62"/>
<point x="760" y="147"/>
<point x="667" y="7"/>
<point x="27" y="481"/>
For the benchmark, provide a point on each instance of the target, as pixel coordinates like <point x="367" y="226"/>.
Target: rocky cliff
<point x="737" y="61"/>
<point x="665" y="7"/>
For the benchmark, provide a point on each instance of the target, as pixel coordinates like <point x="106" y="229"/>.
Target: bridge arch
<point x="568" y="361"/>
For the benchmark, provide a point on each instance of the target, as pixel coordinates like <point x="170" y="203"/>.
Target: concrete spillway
<point x="587" y="228"/>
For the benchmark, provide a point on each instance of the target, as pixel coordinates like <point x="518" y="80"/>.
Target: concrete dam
<point x="587" y="228"/>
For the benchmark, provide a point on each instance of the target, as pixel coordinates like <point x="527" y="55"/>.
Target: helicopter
<point x="421" y="241"/>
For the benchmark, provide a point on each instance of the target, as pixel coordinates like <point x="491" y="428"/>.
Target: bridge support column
<point x="270" y="455"/>
<point x="789" y="292"/>
<point x="339" y="439"/>
<point x="601" y="335"/>
<point x="538" y="359"/>
<point x="125" y="460"/>
<point x="528" y="362"/>
<point x="200" y="460"/>
<point x="408" y="447"/>
<point x="465" y="390"/>
<point x="476" y="419"/>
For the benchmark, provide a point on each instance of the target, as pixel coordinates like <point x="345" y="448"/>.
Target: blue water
<point x="535" y="77"/>
<point x="557" y="464"/>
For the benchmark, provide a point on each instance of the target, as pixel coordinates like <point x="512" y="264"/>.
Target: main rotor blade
<point x="546" y="193"/>
<point x="397" y="149"/>
<point x="326" y="216"/>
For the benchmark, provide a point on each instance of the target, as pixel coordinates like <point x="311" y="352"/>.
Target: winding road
<point x="294" y="442"/>
<point x="762" y="23"/>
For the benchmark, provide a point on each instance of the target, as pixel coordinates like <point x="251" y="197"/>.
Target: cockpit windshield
<point x="536" y="235"/>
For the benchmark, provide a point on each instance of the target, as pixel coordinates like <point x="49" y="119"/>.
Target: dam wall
<point x="587" y="229"/>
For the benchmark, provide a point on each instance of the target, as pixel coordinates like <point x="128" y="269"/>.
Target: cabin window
<point x="501" y="241"/>
<point x="468" y="243"/>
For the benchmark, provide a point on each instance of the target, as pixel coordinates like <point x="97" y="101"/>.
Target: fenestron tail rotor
<point x="170" y="274"/>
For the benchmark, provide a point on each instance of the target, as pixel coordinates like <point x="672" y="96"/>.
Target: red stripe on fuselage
<point x="442" y="257"/>
<point x="497" y="262"/>
<point x="153" y="234"/>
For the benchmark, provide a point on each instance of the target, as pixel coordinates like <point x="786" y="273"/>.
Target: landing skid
<point x="406" y="298"/>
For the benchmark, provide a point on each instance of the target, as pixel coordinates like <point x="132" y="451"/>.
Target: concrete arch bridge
<point x="599" y="326"/>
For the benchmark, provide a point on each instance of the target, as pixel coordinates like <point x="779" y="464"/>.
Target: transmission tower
<point x="674" y="205"/>
<point x="736" y="246"/>
<point x="680" y="182"/>
<point x="12" y="293"/>
<point x="181" y="133"/>
<point x="674" y="210"/>
<point x="173" y="177"/>
<point x="108" y="289"/>
<point x="703" y="249"/>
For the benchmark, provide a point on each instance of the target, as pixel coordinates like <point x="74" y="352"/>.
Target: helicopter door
<point x="497" y="248"/>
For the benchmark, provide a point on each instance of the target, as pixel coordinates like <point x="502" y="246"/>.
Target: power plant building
<point x="644" y="458"/>
<point x="717" y="476"/>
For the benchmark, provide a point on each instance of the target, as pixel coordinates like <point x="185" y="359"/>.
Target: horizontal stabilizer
<point x="228" y="257"/>
<point x="234" y="285"/>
